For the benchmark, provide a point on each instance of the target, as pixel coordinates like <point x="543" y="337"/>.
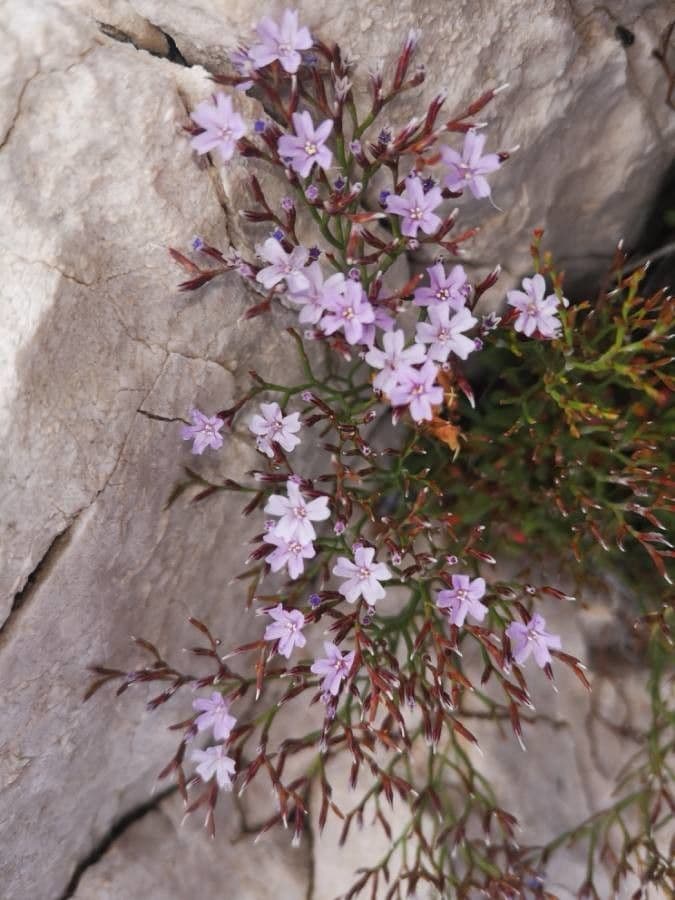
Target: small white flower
<point x="272" y="426"/>
<point x="284" y="266"/>
<point x="444" y="333"/>
<point x="213" y="761"/>
<point x="535" y="311"/>
<point x="393" y="360"/>
<point x="215" y="713"/>
<point x="296" y="515"/>
<point x="363" y="576"/>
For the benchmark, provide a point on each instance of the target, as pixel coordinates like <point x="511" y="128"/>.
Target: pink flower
<point x="242" y="62"/>
<point x="393" y="360"/>
<point x="288" y="266"/>
<point x="222" y="127"/>
<point x="213" y="761"/>
<point x="535" y="312"/>
<point x="363" y="576"/>
<point x="296" y="516"/>
<point x="290" y="552"/>
<point x="273" y="427"/>
<point x="445" y="333"/>
<point x="333" y="667"/>
<point x="307" y="147"/>
<point x="453" y="288"/>
<point x="348" y="309"/>
<point x="215" y="713"/>
<point x="204" y="431"/>
<point x="464" y="599"/>
<point x="313" y="298"/>
<point x="416" y="207"/>
<point x="417" y="389"/>
<point x="281" y="42"/>
<point x="383" y="320"/>
<point x="469" y="168"/>
<point x="286" y="628"/>
<point x="532" y="638"/>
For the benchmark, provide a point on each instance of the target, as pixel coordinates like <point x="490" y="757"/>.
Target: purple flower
<point x="363" y="576"/>
<point x="286" y="628"/>
<point x="393" y="360"/>
<point x="290" y="552"/>
<point x="215" y="713"/>
<point x="416" y="208"/>
<point x="242" y="62"/>
<point x="427" y="184"/>
<point x="490" y="322"/>
<point x="453" y="288"/>
<point x="287" y="204"/>
<point x="312" y="193"/>
<point x="204" y="431"/>
<point x="535" y="312"/>
<point x="289" y="266"/>
<point x="417" y="389"/>
<point x="339" y="183"/>
<point x="197" y="243"/>
<point x="271" y="426"/>
<point x="314" y="297"/>
<point x="296" y="516"/>
<point x="222" y="127"/>
<point x="277" y="234"/>
<point x="384" y="137"/>
<point x="348" y="309"/>
<point x="469" y="168"/>
<point x="259" y="126"/>
<point x="307" y="146"/>
<point x="333" y="667"/>
<point x="532" y="638"/>
<point x="213" y="761"/>
<point x="383" y="197"/>
<point x="445" y="333"/>
<point x="383" y="321"/>
<point x="464" y="599"/>
<point x="280" y="42"/>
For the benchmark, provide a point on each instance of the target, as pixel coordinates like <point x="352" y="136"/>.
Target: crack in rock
<point x="17" y="112"/>
<point x="45" y="564"/>
<point x="116" y="830"/>
<point x="150" y="415"/>
<point x="170" y="52"/>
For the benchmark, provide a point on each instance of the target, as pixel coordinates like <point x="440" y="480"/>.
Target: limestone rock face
<point x="157" y="859"/>
<point x="101" y="359"/>
<point x="101" y="356"/>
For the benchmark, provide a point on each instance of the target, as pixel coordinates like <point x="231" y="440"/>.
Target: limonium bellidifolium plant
<point x="384" y="630"/>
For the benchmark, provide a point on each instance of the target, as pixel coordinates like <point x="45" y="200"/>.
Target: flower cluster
<point x="348" y="307"/>
<point x="214" y="715"/>
<point x="371" y="581"/>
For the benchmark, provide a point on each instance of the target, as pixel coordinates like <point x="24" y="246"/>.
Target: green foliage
<point x="572" y="439"/>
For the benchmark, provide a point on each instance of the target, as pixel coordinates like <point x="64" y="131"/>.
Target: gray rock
<point x="102" y="357"/>
<point x="158" y="859"/>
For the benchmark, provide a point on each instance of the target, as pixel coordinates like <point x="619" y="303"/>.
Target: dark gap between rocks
<point x="116" y="830"/>
<point x="173" y="54"/>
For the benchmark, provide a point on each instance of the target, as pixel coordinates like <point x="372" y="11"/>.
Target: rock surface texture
<point x="101" y="357"/>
